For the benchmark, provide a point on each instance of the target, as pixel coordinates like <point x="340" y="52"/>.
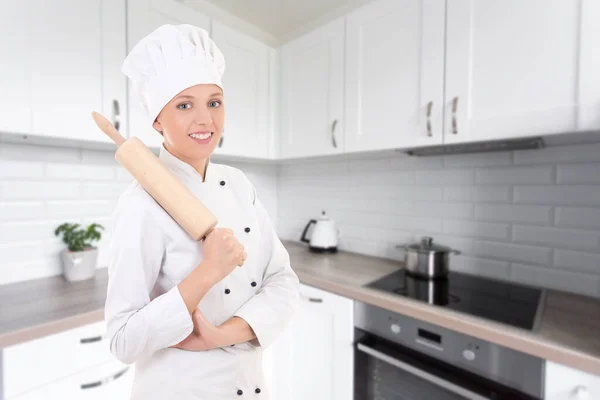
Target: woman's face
<point x="192" y="122"/>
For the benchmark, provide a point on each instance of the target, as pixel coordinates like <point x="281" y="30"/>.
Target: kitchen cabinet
<point x="111" y="380"/>
<point x="62" y="66"/>
<point x="566" y="383"/>
<point x="57" y="357"/>
<point x="246" y="93"/>
<point x="312" y="87"/>
<point x="143" y="17"/>
<point x="313" y="359"/>
<point x="394" y="82"/>
<point x="517" y="68"/>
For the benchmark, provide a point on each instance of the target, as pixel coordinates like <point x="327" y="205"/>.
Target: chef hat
<point x="170" y="60"/>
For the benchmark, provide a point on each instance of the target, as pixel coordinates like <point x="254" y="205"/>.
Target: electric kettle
<point x="324" y="236"/>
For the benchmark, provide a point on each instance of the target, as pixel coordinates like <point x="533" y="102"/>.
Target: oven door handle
<point x="420" y="373"/>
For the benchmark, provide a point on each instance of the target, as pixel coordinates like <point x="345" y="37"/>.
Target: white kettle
<point x="324" y="236"/>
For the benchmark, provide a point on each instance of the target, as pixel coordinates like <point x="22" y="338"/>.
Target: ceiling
<point x="282" y="19"/>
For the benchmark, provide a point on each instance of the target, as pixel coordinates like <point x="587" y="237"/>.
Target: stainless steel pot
<point x="427" y="260"/>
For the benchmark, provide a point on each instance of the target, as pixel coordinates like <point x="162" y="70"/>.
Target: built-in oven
<point x="401" y="358"/>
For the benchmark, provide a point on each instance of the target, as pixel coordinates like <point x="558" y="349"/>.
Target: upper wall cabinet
<point x="143" y="17"/>
<point x="58" y="67"/>
<point x="521" y="68"/>
<point x="246" y="93"/>
<point x="394" y="74"/>
<point x="312" y="88"/>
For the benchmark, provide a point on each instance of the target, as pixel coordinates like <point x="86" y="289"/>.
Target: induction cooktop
<point x="505" y="302"/>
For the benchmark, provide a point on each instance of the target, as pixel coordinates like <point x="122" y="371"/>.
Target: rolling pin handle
<point x="107" y="127"/>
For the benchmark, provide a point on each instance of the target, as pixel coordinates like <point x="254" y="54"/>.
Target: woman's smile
<point x="201" y="137"/>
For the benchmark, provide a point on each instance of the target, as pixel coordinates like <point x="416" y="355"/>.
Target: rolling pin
<point x="176" y="199"/>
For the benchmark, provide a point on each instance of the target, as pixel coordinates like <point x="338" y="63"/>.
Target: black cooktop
<point x="496" y="300"/>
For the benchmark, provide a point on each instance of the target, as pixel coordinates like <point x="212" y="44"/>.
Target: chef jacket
<point x="145" y="314"/>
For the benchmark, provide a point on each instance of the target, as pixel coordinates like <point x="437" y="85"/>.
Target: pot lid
<point x="428" y="245"/>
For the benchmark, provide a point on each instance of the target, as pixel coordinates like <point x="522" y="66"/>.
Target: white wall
<point x="42" y="187"/>
<point x="527" y="216"/>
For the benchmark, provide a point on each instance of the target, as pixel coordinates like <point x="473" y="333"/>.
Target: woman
<point x="192" y="316"/>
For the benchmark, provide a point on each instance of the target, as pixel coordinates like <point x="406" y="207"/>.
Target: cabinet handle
<point x="454" y="107"/>
<point x="116" y="114"/>
<point x="429" y="107"/>
<point x="103" y="381"/>
<point x="221" y="141"/>
<point x="580" y="393"/>
<point x="333" y="133"/>
<point x="90" y="339"/>
<point x="312" y="299"/>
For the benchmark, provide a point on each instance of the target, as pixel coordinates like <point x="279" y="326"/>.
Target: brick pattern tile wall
<point x="525" y="216"/>
<point x="42" y="187"/>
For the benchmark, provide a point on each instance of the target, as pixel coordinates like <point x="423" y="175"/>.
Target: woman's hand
<point x="222" y="253"/>
<point x="205" y="335"/>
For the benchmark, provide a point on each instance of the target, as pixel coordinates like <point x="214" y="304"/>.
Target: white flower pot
<point x="79" y="265"/>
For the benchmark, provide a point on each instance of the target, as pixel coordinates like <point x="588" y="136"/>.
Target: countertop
<point x="569" y="330"/>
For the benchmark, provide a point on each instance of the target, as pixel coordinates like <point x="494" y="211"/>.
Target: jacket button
<point x="247" y="229"/>
<point x="222" y="183"/>
<point x="227" y="291"/>
<point x="257" y="390"/>
<point x="253" y="284"/>
<point x="239" y="392"/>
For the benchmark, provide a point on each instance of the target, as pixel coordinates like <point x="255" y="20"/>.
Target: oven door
<point x="388" y="371"/>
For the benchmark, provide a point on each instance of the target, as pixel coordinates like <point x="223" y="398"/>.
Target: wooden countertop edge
<point x="529" y="343"/>
<point x="50" y="328"/>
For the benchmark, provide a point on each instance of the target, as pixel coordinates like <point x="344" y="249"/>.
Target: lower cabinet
<point x="566" y="383"/>
<point x="313" y="359"/>
<point x="111" y="380"/>
<point x="73" y="364"/>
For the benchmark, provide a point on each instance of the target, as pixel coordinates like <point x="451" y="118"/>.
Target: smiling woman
<point x="191" y="318"/>
<point x="195" y="116"/>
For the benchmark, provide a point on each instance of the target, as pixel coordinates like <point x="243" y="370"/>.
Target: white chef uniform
<point x="150" y="254"/>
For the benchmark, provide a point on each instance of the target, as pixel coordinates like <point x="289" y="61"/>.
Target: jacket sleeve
<point x="137" y="326"/>
<point x="270" y="310"/>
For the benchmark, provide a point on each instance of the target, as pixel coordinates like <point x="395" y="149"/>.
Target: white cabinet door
<point x="54" y="73"/>
<point x="513" y="68"/>
<point x="312" y="68"/>
<point x="565" y="383"/>
<point x="313" y="359"/>
<point x="246" y="83"/>
<point x="15" y="82"/>
<point x="111" y="380"/>
<point x="394" y="74"/>
<point x="143" y="17"/>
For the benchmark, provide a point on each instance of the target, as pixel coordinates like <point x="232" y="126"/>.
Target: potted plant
<point x="80" y="256"/>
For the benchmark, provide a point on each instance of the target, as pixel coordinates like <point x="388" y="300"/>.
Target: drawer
<point x="566" y="383"/>
<point x="41" y="361"/>
<point x="112" y="380"/>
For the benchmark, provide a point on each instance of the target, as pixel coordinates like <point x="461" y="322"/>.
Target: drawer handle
<point x="101" y="382"/>
<point x="90" y="339"/>
<point x="429" y="107"/>
<point x="312" y="299"/>
<point x="580" y="393"/>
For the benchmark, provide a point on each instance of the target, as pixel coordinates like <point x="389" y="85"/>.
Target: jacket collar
<point x="177" y="165"/>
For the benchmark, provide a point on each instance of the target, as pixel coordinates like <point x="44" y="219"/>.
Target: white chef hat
<point x="170" y="60"/>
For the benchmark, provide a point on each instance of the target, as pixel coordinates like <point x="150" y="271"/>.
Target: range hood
<point x="478" y="147"/>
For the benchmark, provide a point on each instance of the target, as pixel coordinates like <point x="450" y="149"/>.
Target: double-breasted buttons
<point x="257" y="390"/>
<point x="247" y="230"/>
<point x="253" y="284"/>
<point x="240" y="392"/>
<point x="227" y="291"/>
<point x="222" y="183"/>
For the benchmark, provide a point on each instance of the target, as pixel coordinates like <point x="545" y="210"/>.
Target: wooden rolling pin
<point x="181" y="204"/>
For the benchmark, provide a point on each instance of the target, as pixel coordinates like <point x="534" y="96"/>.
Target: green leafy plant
<point x="78" y="238"/>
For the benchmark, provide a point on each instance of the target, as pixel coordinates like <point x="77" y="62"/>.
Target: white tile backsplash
<point x="531" y="216"/>
<point x="42" y="187"/>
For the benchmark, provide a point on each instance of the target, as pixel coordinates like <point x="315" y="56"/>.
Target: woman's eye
<point x="184" y="104"/>
<point x="215" y="103"/>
